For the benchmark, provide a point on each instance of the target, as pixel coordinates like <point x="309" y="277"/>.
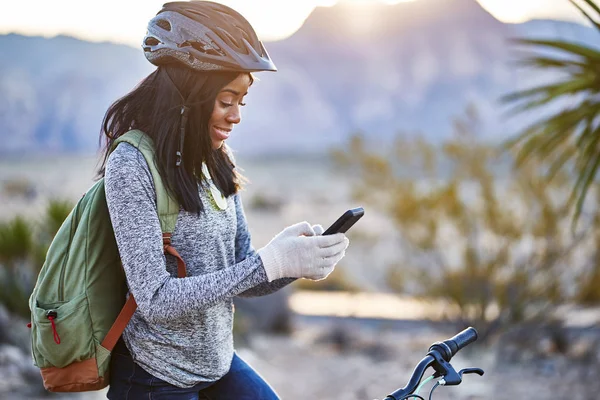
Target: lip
<point x="221" y="133"/>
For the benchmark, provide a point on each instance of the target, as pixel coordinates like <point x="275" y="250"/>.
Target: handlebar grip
<point x="462" y="340"/>
<point x="449" y="348"/>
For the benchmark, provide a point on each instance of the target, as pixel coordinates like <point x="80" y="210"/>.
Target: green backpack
<point x="78" y="308"/>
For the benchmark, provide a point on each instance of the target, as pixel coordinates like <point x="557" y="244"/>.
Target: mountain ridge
<point x="54" y="91"/>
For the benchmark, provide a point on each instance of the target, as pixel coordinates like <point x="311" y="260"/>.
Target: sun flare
<point x="272" y="19"/>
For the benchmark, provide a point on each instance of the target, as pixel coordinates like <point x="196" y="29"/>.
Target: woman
<point x="178" y="344"/>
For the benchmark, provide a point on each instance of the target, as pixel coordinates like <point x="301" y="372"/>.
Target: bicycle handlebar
<point x="415" y="378"/>
<point x="449" y="348"/>
<point x="446" y="349"/>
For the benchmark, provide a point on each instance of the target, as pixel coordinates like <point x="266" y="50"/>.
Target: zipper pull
<point x="52" y="315"/>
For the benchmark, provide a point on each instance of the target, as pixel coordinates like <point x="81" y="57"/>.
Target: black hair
<point x="154" y="107"/>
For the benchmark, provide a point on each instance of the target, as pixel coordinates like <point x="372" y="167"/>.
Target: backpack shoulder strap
<point x="168" y="208"/>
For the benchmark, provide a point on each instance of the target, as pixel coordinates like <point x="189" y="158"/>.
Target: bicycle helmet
<point x="205" y="36"/>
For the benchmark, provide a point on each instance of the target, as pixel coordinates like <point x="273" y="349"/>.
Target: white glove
<point x="318" y="229"/>
<point x="298" y="252"/>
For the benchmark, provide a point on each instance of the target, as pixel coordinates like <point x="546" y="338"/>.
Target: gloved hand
<point x="299" y="252"/>
<point x="318" y="229"/>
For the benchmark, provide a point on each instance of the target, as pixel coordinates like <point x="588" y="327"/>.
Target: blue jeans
<point x="128" y="381"/>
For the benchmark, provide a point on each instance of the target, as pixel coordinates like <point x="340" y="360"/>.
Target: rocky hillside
<point x="408" y="67"/>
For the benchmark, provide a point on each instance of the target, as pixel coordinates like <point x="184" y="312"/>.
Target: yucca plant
<point x="570" y="137"/>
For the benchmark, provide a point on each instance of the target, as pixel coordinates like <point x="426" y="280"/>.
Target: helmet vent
<point x="225" y="36"/>
<point x="211" y="49"/>
<point x="227" y="16"/>
<point x="228" y="38"/>
<point x="164" y="24"/>
<point x="201" y="14"/>
<point x="151" y="41"/>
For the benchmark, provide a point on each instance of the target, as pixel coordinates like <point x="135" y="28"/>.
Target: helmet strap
<point x="184" y="118"/>
<point x="183" y="122"/>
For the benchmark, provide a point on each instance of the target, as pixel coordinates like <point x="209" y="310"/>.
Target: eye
<point x="226" y="105"/>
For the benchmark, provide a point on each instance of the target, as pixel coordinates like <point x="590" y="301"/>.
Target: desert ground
<point x="332" y="355"/>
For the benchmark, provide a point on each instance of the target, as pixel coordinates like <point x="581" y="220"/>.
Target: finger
<point x="332" y="250"/>
<point x="327" y="271"/>
<point x="301" y="228"/>
<point x="346" y="242"/>
<point x="334" y="259"/>
<point x="318" y="229"/>
<point x="322" y="273"/>
<point x="330" y="240"/>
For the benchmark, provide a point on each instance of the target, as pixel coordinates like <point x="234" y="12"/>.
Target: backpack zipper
<point x="61" y="279"/>
<point x="61" y="284"/>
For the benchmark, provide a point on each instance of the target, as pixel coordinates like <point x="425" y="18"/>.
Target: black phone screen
<point x="346" y="221"/>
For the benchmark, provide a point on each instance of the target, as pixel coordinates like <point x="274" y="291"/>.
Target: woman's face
<point x="226" y="112"/>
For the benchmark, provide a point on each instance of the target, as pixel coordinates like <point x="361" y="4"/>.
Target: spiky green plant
<point x="16" y="241"/>
<point x="56" y="213"/>
<point x="23" y="247"/>
<point x="570" y="137"/>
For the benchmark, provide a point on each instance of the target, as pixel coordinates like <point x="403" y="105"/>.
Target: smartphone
<point x="346" y="221"/>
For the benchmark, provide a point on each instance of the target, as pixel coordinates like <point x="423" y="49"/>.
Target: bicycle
<point x="438" y="357"/>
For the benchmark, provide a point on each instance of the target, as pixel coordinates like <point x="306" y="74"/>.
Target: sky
<point x="124" y="21"/>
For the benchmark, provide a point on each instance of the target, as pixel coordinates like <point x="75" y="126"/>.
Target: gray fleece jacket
<point x="181" y="331"/>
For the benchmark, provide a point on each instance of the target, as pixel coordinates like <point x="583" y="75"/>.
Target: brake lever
<point x="445" y="370"/>
<point x="465" y="371"/>
<point x="453" y="378"/>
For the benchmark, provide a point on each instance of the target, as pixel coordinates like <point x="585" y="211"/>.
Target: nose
<point x="234" y="116"/>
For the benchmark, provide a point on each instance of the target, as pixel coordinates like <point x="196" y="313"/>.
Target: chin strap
<point x="184" y="118"/>
<point x="183" y="123"/>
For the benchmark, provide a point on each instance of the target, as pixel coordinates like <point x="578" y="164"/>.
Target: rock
<point x="529" y="342"/>
<point x="546" y="346"/>
<point x="20" y="378"/>
<point x="13" y="330"/>
<point x="10" y="355"/>
<point x="339" y="338"/>
<point x="585" y="350"/>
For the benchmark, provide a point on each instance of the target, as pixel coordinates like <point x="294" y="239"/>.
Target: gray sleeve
<point x="244" y="250"/>
<point x="160" y="297"/>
